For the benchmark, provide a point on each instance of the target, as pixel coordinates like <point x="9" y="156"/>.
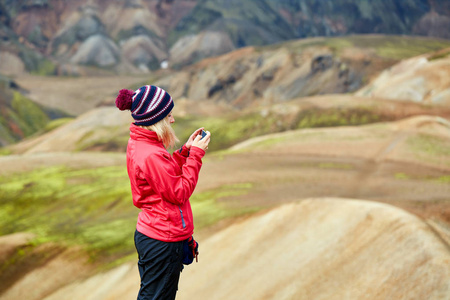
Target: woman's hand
<point x="202" y="142"/>
<point x="192" y="137"/>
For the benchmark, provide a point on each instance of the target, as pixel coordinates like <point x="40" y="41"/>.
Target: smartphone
<point x="203" y="133"/>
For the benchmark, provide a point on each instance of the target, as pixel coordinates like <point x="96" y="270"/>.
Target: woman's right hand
<point x="202" y="142"/>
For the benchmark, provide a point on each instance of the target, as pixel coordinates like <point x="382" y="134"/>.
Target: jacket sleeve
<point x="165" y="177"/>
<point x="181" y="155"/>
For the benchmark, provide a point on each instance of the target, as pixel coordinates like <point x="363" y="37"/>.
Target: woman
<point x="161" y="185"/>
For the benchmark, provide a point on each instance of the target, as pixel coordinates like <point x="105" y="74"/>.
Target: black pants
<point x="160" y="264"/>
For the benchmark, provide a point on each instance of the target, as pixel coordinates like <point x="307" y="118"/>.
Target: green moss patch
<point x="338" y="117"/>
<point x="20" y="118"/>
<point x="116" y="141"/>
<point x="409" y="47"/>
<point x="444" y="179"/>
<point x="211" y="206"/>
<point x="56" y="123"/>
<point x="91" y="208"/>
<point x="44" y="67"/>
<point x="71" y="207"/>
<point x="385" y="46"/>
<point x="5" y="151"/>
<point x="31" y="115"/>
<point x="439" y="179"/>
<point x="230" y="130"/>
<point x="392" y="47"/>
<point x="333" y="165"/>
<point x="34" y="62"/>
<point x="440" y="55"/>
<point x="428" y="145"/>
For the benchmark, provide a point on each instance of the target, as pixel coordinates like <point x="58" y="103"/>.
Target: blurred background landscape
<point x="328" y="174"/>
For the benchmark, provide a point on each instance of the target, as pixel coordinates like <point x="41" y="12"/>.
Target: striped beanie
<point x="149" y="104"/>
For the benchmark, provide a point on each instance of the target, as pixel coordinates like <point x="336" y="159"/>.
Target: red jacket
<point x="161" y="185"/>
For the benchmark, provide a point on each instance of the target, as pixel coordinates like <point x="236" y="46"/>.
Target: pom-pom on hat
<point x="149" y="104"/>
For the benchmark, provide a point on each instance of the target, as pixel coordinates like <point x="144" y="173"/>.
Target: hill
<point x="405" y="140"/>
<point x="421" y="79"/>
<point x="317" y="248"/>
<point x="322" y="249"/>
<point x="297" y="68"/>
<point x="104" y="127"/>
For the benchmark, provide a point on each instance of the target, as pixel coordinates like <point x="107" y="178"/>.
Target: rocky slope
<point x="329" y="18"/>
<point x="137" y="35"/>
<point x="294" y="69"/>
<point x="126" y="36"/>
<point x="423" y="79"/>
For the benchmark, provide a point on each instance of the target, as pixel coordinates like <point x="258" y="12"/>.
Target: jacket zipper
<point x="182" y="219"/>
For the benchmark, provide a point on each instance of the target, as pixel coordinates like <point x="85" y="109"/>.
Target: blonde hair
<point x="164" y="131"/>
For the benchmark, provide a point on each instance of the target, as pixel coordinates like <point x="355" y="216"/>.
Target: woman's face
<point x="171" y="118"/>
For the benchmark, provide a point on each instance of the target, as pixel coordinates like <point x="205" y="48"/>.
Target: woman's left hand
<point x="192" y="137"/>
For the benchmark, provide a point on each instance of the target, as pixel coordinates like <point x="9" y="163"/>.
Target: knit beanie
<point x="149" y="104"/>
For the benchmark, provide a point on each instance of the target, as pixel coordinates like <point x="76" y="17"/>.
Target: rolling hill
<point x="319" y="248"/>
<point x="322" y="249"/>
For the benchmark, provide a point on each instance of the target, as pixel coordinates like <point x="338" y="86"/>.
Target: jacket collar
<point x="138" y="133"/>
